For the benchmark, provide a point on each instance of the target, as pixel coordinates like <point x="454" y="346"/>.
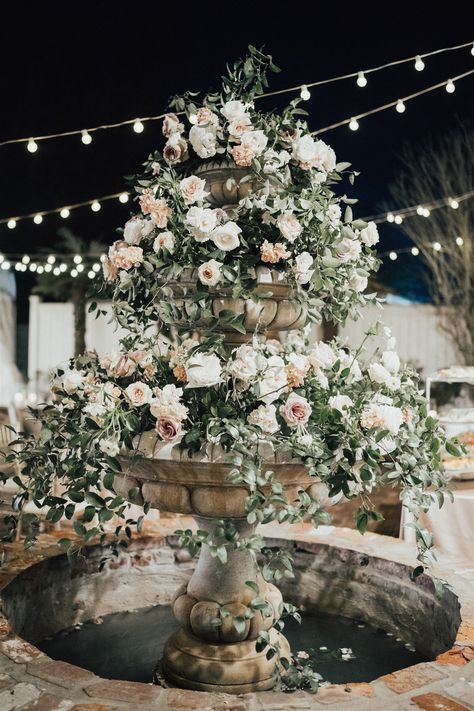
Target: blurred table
<point x="452" y="525"/>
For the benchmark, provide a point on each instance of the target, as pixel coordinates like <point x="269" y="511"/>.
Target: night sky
<point x="75" y="65"/>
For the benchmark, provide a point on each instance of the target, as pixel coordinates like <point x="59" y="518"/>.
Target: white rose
<point x="136" y="228"/>
<point x="138" y="393"/>
<point x="303" y="149"/>
<point x="166" y="240"/>
<point x="109" y="446"/>
<point x="264" y="416"/>
<point x="391" y="361"/>
<point x="201" y="221"/>
<point x="304" y="262"/>
<point x="289" y="226"/>
<point x="72" y="381"/>
<point x="347" y="360"/>
<point x="245" y="365"/>
<point x="166" y="403"/>
<point x="369" y="235"/>
<point x="203" y="370"/>
<point x="233" y="110"/>
<point x="340" y="402"/>
<point x="348" y="250"/>
<point x="239" y="125"/>
<point x="226" y="237"/>
<point x="193" y="189"/>
<point x="256" y="141"/>
<point x="325" y="157"/>
<point x="384" y="417"/>
<point x="334" y="214"/>
<point x="379" y="374"/>
<point x="203" y="140"/>
<point x="322" y="356"/>
<point x="358" y="283"/>
<point x="209" y="273"/>
<point x="274" y="380"/>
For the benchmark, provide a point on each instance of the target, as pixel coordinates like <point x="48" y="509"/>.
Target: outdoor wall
<point x="420" y="341"/>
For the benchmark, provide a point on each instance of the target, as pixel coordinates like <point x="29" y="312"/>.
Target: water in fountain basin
<point x="127" y="645"/>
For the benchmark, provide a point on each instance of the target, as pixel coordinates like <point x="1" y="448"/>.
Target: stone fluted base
<point x="236" y="668"/>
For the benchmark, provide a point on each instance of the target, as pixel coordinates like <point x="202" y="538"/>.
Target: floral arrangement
<point x="288" y="218"/>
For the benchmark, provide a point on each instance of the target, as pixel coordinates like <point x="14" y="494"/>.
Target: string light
<point x="415" y="251"/>
<point x="65" y="213"/>
<point x="77" y="259"/>
<point x="400" y="107"/>
<point x="305" y="93"/>
<point x="33" y="266"/>
<point x="5" y="264"/>
<point x="139" y="122"/>
<point x="390" y="217"/>
<point x="11" y="224"/>
<point x="361" y="80"/>
<point x="40" y="269"/>
<point x="26" y="259"/>
<point x="419" y="64"/>
<point x="32" y="146"/>
<point x="96" y="267"/>
<point x="450" y="88"/>
<point x="123" y="198"/>
<point x="393" y="256"/>
<point x="74" y="273"/>
<point x="95" y="207"/>
<point x="398" y="219"/>
<point x="437" y="246"/>
<point x="422" y="210"/>
<point x="48" y="267"/>
<point x="86" y="137"/>
<point x="454" y="204"/>
<point x="80" y="268"/>
<point x="38" y="219"/>
<point x="62" y="267"/>
<point x="426" y="212"/>
<point x="56" y="271"/>
<point x="459" y="241"/>
<point x="51" y="259"/>
<point x="353" y="124"/>
<point x="91" y="274"/>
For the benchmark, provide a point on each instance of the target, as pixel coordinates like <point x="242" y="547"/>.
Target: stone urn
<point x="226" y="182"/>
<point x="205" y="655"/>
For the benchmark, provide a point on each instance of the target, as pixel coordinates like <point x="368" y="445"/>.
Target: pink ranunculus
<point x="168" y="428"/>
<point x="296" y="410"/>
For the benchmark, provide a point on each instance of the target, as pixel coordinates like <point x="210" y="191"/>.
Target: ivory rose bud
<point x="309" y="153"/>
<point x="201" y="221"/>
<point x="164" y="240"/>
<point x="226" y="237"/>
<point x="209" y="273"/>
<point x="203" y="370"/>
<point x="391" y="361"/>
<point x="296" y="410"/>
<point x="109" y="446"/>
<point x="233" y="110"/>
<point x="256" y="141"/>
<point x="193" y="189"/>
<point x="172" y="124"/>
<point x="340" y="402"/>
<point x="72" y="381"/>
<point x="379" y="374"/>
<point x="168" y="428"/>
<point x="357" y="282"/>
<point x="333" y="215"/>
<point x="369" y="235"/>
<point x="135" y="229"/>
<point x="289" y="226"/>
<point x="203" y="140"/>
<point x="264" y="416"/>
<point x="175" y="150"/>
<point x="138" y="393"/>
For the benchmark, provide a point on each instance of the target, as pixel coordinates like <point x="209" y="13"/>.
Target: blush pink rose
<point x="168" y="428"/>
<point x="296" y="410"/>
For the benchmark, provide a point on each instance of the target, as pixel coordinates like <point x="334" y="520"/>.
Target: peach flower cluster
<point x="158" y="210"/>
<point x="272" y="253"/>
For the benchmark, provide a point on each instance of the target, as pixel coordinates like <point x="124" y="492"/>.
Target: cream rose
<point x="201" y="221"/>
<point x="348" y="250"/>
<point x="273" y="381"/>
<point x="239" y="125"/>
<point x="203" y="370"/>
<point x="135" y="229"/>
<point x="357" y="282"/>
<point x="167" y="402"/>
<point x="264" y="416"/>
<point x="256" y="141"/>
<point x="109" y="446"/>
<point x="138" y="393"/>
<point x="322" y="356"/>
<point x="379" y="374"/>
<point x="289" y="226"/>
<point x="245" y="364"/>
<point x="369" y="235"/>
<point x="203" y="140"/>
<point x="172" y="124"/>
<point x="391" y="361"/>
<point x="385" y="417"/>
<point x="340" y="402"/>
<point x="193" y="189"/>
<point x="226" y="237"/>
<point x="233" y="110"/>
<point x="164" y="240"/>
<point x="209" y="273"/>
<point x="72" y="381"/>
<point x="296" y="410"/>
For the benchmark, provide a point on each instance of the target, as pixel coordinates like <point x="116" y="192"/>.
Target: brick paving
<point x="30" y="681"/>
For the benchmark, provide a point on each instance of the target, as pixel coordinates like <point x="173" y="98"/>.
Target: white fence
<point x="420" y="340"/>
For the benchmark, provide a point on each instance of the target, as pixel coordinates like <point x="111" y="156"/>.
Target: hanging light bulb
<point x="305" y="93"/>
<point x="459" y="241"/>
<point x="65" y="213"/>
<point x="426" y="212"/>
<point x="472" y="49"/>
<point x="400" y="107"/>
<point x="437" y="246"/>
<point x="419" y="64"/>
<point x="420" y="210"/>
<point x="62" y="267"/>
<point x="48" y="267"/>
<point x="91" y="274"/>
<point x="415" y="251"/>
<point x="40" y="269"/>
<point x="353" y="124"/>
<point x="95" y="207"/>
<point x="73" y="273"/>
<point x="32" y="146"/>
<point x="361" y="80"/>
<point x="138" y="127"/>
<point x="33" y="267"/>
<point x="56" y="271"/>
<point x="80" y="267"/>
<point x="390" y="217"/>
<point x="51" y="259"/>
<point x="25" y="259"/>
<point x="38" y="219"/>
<point x="123" y="197"/>
<point x="11" y="224"/>
<point x="398" y="219"/>
<point x="450" y="88"/>
<point x="77" y="259"/>
<point x="6" y="264"/>
<point x="393" y="256"/>
<point x="18" y="267"/>
<point x="453" y="203"/>
<point x="86" y="137"/>
<point x="2" y="258"/>
<point x="96" y="267"/>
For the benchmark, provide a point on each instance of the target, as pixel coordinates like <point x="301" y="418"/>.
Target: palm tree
<point x="63" y="287"/>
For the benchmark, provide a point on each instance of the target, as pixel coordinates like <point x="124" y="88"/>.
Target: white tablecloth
<point x="452" y="525"/>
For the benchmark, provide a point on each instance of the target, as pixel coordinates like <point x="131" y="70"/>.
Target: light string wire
<point x="446" y="201"/>
<point x="127" y="122"/>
